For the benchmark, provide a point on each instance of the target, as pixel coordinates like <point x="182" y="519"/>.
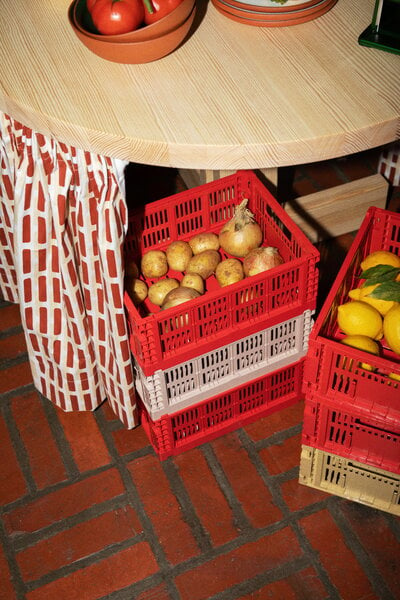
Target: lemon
<point x="382" y="306"/>
<point x="362" y="342"/>
<point x="359" y="318"/>
<point x="380" y="257"/>
<point x="391" y="328"/>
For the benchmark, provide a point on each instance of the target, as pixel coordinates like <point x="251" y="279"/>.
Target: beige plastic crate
<point x="350" y="479"/>
<point x="166" y="392"/>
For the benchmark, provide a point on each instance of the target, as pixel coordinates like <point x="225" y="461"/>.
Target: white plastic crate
<point x="256" y="355"/>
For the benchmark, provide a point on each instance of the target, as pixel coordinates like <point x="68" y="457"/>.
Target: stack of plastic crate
<point x="351" y="429"/>
<point x="236" y="353"/>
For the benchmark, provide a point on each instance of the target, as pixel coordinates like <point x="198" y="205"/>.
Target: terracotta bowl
<point x="84" y="24"/>
<point x="135" y="52"/>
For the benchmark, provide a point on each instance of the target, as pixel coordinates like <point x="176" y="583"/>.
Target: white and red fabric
<point x="389" y="163"/>
<point x="63" y="221"/>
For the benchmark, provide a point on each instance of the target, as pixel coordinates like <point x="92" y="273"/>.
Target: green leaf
<point x="388" y="290"/>
<point x="378" y="274"/>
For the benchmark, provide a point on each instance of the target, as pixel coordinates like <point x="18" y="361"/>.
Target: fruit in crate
<point x="359" y="318"/>
<point x="380" y="257"/>
<point x="363" y="293"/>
<point x="391" y="328"/>
<point x="362" y="342"/>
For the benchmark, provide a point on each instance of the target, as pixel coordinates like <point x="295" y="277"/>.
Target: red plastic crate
<point x="334" y="370"/>
<point x="222" y="315"/>
<point x="173" y="434"/>
<point x="350" y="431"/>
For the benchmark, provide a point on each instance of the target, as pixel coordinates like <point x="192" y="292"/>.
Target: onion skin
<point x="178" y="296"/>
<point x="242" y="233"/>
<point x="260" y="260"/>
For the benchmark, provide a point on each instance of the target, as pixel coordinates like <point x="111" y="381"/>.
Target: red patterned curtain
<point x="63" y="221"/>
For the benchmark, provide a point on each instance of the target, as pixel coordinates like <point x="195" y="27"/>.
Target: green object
<point x="384" y="31"/>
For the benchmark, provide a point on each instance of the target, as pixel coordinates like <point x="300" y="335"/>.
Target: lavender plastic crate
<point x="190" y="382"/>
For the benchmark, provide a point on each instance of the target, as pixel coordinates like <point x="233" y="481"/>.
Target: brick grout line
<point x="313" y="556"/>
<point x="27" y="540"/>
<point x="276" y="438"/>
<point x="19" y="391"/>
<point x="188" y="510"/>
<point x="291" y="518"/>
<point x="255" y="583"/>
<point x="135" y="500"/>
<point x="7" y="363"/>
<point x="20" y="449"/>
<point x="20" y="502"/>
<point x="81" y="563"/>
<point x="393" y="524"/>
<point x="18" y="583"/>
<point x="241" y="521"/>
<point x="10" y="331"/>
<point x="356" y="546"/>
<point x="61" y="441"/>
<point x="131" y="592"/>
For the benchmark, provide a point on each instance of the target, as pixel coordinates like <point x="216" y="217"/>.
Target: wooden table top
<point x="233" y="96"/>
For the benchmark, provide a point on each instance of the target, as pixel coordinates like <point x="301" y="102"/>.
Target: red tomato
<point x="117" y="16"/>
<point x="161" y="8"/>
<point x="90" y="4"/>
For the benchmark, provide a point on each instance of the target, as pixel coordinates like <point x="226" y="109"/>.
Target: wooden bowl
<point x="137" y="52"/>
<point x="83" y="22"/>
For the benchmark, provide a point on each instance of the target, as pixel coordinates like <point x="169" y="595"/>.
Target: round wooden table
<point x="231" y="97"/>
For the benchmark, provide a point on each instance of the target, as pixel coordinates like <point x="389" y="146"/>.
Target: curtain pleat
<point x="63" y="221"/>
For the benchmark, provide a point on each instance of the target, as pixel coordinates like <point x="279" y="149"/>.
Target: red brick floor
<point x="89" y="512"/>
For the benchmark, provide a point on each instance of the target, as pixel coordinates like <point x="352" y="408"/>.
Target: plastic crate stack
<point x="351" y="428"/>
<point x="236" y="353"/>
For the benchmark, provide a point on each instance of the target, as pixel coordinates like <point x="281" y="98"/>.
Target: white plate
<point x="270" y="4"/>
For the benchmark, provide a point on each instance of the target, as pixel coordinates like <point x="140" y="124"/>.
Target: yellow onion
<point x="261" y="259"/>
<point x="242" y="233"/>
<point x="178" y="296"/>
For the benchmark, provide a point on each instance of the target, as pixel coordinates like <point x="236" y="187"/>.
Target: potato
<point x="204" y="264"/>
<point x="154" y="264"/>
<point x="137" y="290"/>
<point x="159" y="289"/>
<point x="204" y="241"/>
<point x="178" y="255"/>
<point x="229" y="271"/>
<point x="192" y="280"/>
<point x="178" y="296"/>
<point x="131" y="269"/>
